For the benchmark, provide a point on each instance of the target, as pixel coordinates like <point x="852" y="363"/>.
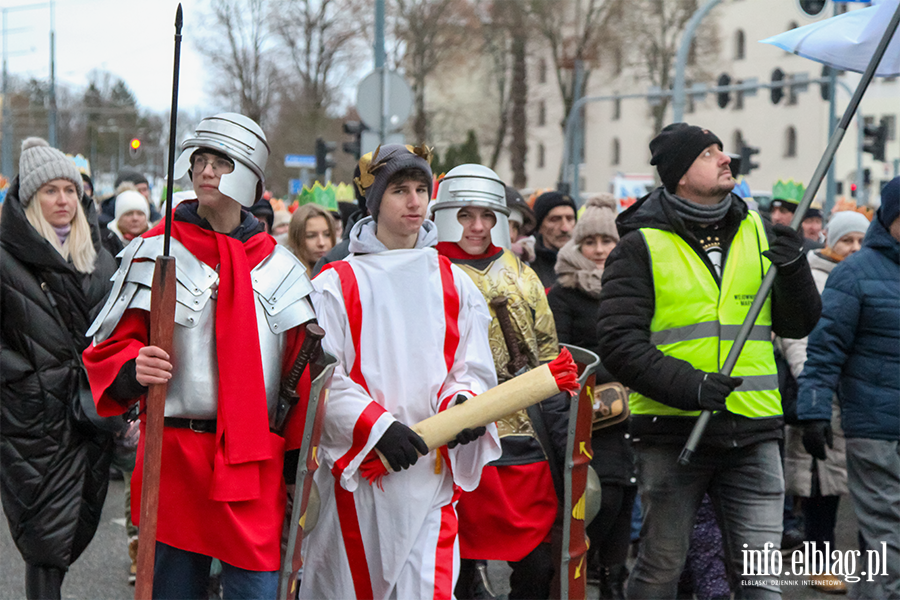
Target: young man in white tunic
<point x="410" y="331"/>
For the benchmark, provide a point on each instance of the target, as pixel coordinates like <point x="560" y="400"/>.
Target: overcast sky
<point x="133" y="39"/>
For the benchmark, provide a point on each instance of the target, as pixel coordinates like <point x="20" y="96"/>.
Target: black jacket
<point x="627" y="306"/>
<point x="544" y="262"/>
<point x="576" y="314"/>
<point x="54" y="479"/>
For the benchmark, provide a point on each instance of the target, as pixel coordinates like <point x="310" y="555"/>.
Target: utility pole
<point x="380" y="65"/>
<point x="683" y="51"/>
<point x="51" y="125"/>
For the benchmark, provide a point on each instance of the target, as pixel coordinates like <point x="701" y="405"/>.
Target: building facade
<point x="791" y="134"/>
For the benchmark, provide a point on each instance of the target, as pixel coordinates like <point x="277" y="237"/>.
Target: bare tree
<point x="654" y="29"/>
<point x="504" y="31"/>
<point x="239" y="49"/>
<point x="574" y="31"/>
<point x="431" y="32"/>
<point x="320" y="37"/>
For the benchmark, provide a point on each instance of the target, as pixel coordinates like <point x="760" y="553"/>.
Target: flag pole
<point x="824" y="163"/>
<point x="162" y="325"/>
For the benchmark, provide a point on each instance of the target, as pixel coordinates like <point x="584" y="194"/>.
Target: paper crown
<point x="789" y="190"/>
<point x="323" y="196"/>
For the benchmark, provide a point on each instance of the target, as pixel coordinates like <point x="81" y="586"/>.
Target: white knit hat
<point x="131" y="200"/>
<point x="40" y="164"/>
<point x="842" y="223"/>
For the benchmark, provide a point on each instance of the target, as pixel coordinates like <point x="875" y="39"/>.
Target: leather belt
<point x="195" y="425"/>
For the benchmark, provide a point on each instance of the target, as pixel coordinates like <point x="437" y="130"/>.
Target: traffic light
<point x="853" y="190"/>
<point x="812" y="8"/>
<point x="747" y="164"/>
<point x="735" y="164"/>
<point x="134" y="147"/>
<point x="875" y="140"/>
<point x="722" y="98"/>
<point x="777" y="93"/>
<point x="354" y="128"/>
<point x="324" y="158"/>
<point x="825" y="88"/>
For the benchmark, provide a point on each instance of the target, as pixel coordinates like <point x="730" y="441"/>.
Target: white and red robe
<point x="410" y="330"/>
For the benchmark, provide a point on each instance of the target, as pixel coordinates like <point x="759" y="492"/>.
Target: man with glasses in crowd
<point x="222" y="491"/>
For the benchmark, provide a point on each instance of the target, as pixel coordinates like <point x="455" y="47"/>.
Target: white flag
<point x="847" y="41"/>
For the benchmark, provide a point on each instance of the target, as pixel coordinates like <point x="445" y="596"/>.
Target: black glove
<point x="786" y="248"/>
<point x="816" y="435"/>
<point x="466" y="435"/>
<point x="714" y="389"/>
<point x="401" y="446"/>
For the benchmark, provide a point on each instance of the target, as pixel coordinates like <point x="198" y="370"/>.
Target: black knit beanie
<point x="675" y="149"/>
<point x="547" y="202"/>
<point x="890" y="203"/>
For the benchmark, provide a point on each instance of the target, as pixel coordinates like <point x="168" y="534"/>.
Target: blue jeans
<point x="179" y="574"/>
<point x="746" y="486"/>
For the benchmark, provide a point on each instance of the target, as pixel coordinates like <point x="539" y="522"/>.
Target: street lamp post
<point x="684" y="50"/>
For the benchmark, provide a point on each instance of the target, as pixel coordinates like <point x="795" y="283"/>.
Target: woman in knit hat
<point x="54" y="276"/>
<point x="843" y="237"/>
<point x="575" y="302"/>
<point x="131" y="220"/>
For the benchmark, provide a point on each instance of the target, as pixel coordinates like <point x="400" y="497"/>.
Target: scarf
<point x="452" y="251"/>
<point x="830" y="254"/>
<point x="242" y="430"/>
<point x="575" y="270"/>
<point x="62" y="233"/>
<point x="698" y="213"/>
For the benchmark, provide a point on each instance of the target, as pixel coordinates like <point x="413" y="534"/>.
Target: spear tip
<point x="179" y="18"/>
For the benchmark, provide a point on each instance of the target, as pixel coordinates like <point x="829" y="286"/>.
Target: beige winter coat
<point x="798" y="463"/>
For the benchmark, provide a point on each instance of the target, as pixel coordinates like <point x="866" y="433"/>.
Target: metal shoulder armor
<point x="195" y="285"/>
<point x="282" y="288"/>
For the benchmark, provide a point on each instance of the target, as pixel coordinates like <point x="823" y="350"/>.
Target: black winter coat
<point x="544" y="262"/>
<point x="626" y="310"/>
<point x="54" y="479"/>
<point x="576" y="314"/>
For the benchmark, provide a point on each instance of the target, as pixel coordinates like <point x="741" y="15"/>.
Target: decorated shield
<point x="578" y="453"/>
<point x="304" y="512"/>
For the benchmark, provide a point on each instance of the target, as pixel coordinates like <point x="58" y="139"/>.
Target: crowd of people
<point x="432" y="292"/>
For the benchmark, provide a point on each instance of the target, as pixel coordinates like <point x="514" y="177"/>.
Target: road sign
<point x="294" y="186"/>
<point x="300" y="161"/>
<point x="369" y="140"/>
<point x="399" y="100"/>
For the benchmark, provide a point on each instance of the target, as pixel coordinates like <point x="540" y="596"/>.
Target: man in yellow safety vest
<point x="675" y="292"/>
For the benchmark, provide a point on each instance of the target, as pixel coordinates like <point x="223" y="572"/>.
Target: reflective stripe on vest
<point x="696" y="320"/>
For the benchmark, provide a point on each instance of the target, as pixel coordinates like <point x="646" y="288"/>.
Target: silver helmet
<point x="242" y="140"/>
<point x="470" y="185"/>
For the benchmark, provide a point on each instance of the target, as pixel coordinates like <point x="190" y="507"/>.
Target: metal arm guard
<point x="281" y="288"/>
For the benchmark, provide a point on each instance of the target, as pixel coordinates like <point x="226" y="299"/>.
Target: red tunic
<point x="221" y="496"/>
<point x="496" y="522"/>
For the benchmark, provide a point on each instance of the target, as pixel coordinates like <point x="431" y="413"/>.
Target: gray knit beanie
<point x="377" y="168"/>
<point x="40" y="164"/>
<point x="599" y="218"/>
<point x="842" y="223"/>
